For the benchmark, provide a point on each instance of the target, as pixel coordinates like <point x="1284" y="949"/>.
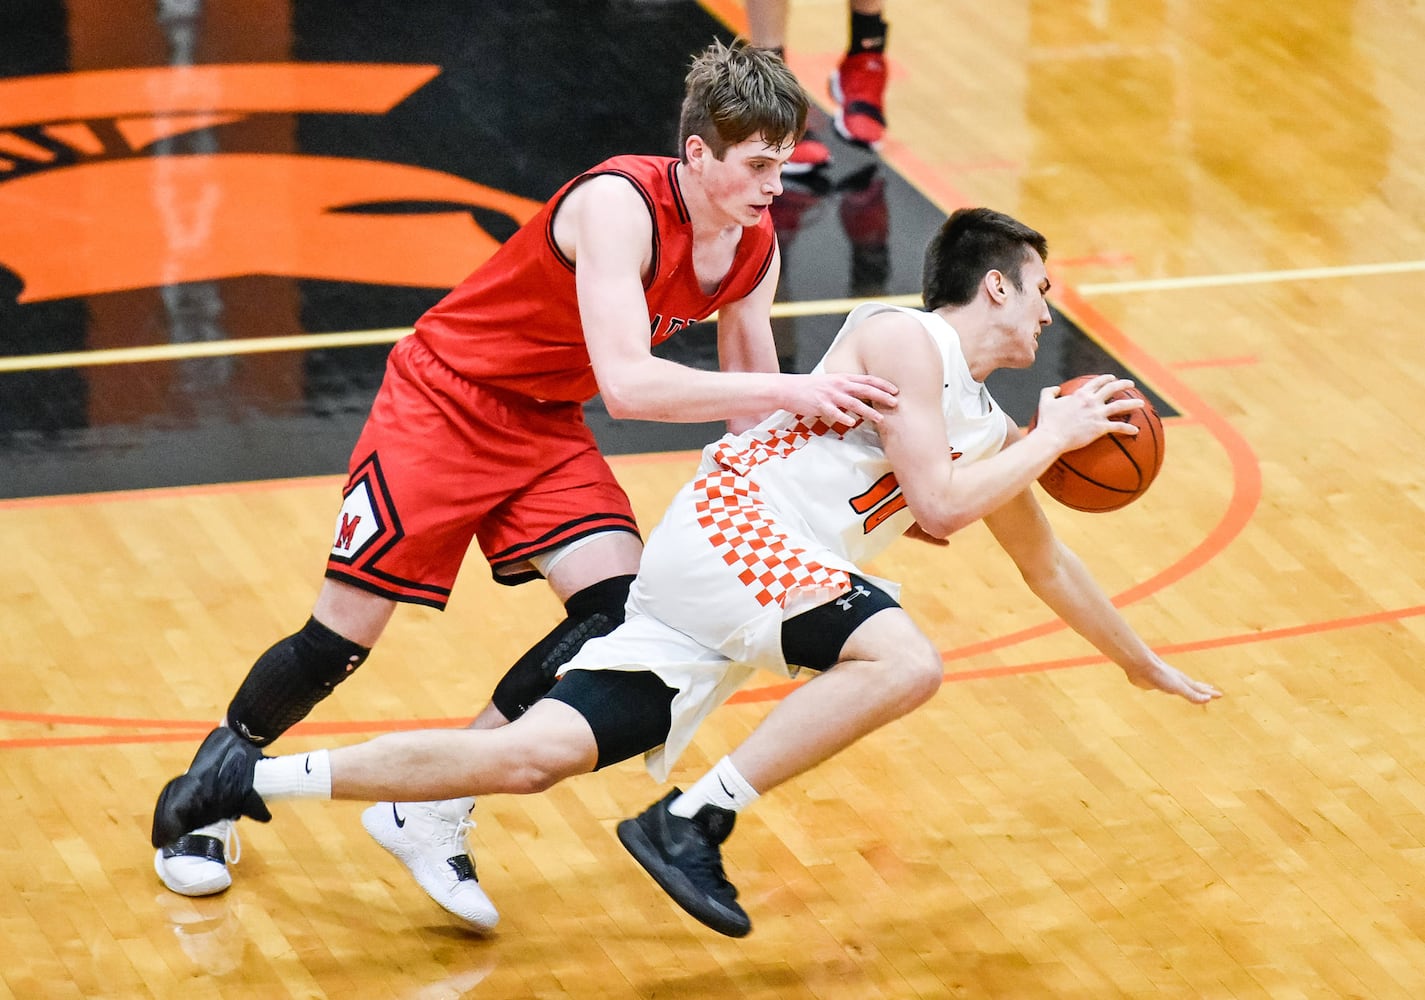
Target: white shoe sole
<point x="477" y="910"/>
<point x="191" y="876"/>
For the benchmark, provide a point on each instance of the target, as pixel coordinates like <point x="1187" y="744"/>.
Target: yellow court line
<point x="200" y="349"/>
<point x="819" y="307"/>
<point x="1252" y="278"/>
<point x="327" y="341"/>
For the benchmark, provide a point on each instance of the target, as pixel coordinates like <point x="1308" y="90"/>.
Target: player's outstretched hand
<point x="840" y="398"/>
<point x="1159" y="676"/>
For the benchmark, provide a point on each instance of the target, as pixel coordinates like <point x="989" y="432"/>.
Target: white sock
<point x="723" y="786"/>
<point x="295" y="776"/>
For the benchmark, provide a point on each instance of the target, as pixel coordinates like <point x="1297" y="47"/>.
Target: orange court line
<point x="192" y="735"/>
<point x="772" y="692"/>
<point x="95" y="720"/>
<point x="169" y="492"/>
<point x="259" y="485"/>
<point x="776" y="692"/>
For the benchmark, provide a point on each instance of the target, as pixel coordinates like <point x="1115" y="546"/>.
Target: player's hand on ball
<point x="1084" y="415"/>
<point x="1114" y="469"/>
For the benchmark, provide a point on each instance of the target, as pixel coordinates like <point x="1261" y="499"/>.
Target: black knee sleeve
<point x="289" y="679"/>
<point x="594" y="611"/>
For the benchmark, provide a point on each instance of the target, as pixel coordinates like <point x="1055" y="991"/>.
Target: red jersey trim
<point x="566" y="532"/>
<point x="404" y="593"/>
<point x="550" y="242"/>
<point x="683" y="215"/>
<point x="766" y="264"/>
<point x="517" y="554"/>
<point x="647" y="203"/>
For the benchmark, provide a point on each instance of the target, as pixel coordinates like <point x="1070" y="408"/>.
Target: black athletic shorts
<point x="814" y="638"/>
<point x="630" y="711"/>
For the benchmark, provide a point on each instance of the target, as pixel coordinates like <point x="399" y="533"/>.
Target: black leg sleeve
<point x="289" y="679"/>
<point x="594" y="611"/>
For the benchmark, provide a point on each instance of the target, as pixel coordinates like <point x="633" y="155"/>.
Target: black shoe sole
<point x="677" y="886"/>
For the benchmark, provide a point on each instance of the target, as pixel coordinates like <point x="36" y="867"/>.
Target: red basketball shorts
<point x="442" y="460"/>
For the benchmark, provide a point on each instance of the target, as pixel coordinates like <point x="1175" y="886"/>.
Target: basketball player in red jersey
<point x="478" y="430"/>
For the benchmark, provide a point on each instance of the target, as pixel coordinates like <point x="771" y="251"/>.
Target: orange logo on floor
<point x="92" y="200"/>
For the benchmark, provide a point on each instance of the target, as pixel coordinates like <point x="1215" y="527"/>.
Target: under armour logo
<point x="845" y="602"/>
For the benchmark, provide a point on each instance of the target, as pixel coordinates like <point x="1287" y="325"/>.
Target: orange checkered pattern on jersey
<point x="779" y="442"/>
<point x="729" y="509"/>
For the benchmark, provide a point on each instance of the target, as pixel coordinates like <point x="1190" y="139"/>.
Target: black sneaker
<point x="217" y="785"/>
<point x="682" y="856"/>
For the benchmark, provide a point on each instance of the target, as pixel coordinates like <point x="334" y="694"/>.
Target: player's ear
<point x="695" y="150"/>
<point x="995" y="285"/>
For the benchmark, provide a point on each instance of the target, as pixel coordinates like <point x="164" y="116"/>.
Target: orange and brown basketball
<point x="1116" y="469"/>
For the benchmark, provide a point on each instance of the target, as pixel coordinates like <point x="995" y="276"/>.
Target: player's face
<point x="1028" y="308"/>
<point x="743" y="183"/>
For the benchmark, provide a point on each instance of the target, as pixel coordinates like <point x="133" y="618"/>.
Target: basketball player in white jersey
<point x="755" y="566"/>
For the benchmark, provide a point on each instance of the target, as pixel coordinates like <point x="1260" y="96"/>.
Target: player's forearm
<point x="673" y="393"/>
<point x="1071" y="592"/>
<point x="984" y="487"/>
<point x="739" y="357"/>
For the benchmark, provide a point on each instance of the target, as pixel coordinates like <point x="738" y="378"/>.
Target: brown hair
<point x="971" y="243"/>
<point x="734" y="92"/>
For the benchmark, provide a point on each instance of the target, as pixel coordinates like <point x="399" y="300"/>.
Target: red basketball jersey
<point x="514" y="322"/>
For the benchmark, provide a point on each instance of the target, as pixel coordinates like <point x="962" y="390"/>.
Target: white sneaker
<point x="429" y="839"/>
<point x="196" y="864"/>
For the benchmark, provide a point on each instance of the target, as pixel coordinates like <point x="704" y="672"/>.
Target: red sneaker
<point x="866" y="220"/>
<point x="859" y="87"/>
<point x="811" y="154"/>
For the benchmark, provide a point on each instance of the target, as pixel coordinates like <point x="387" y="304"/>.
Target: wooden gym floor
<point x="1236" y="208"/>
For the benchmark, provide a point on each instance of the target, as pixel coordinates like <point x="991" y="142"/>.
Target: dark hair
<point x="971" y="243"/>
<point x="734" y="92"/>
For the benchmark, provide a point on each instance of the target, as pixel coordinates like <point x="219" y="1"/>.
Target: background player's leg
<point x="282" y="687"/>
<point x="592" y="581"/>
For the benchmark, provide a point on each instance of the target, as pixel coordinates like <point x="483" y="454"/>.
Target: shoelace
<point x="458" y="835"/>
<point x="232" y="844"/>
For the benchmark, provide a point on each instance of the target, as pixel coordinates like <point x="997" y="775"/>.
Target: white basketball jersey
<point x="771" y="526"/>
<point x="837" y="481"/>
